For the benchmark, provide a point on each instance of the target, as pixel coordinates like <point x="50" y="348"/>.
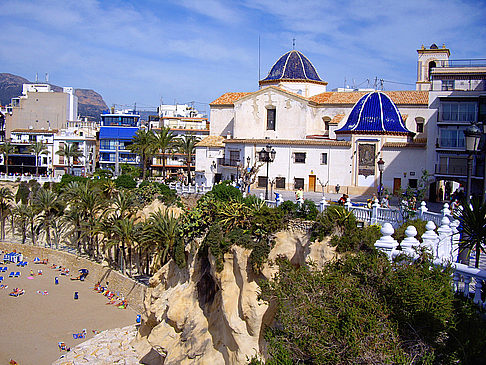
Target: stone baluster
<point x="444" y="247"/>
<point x="456" y="237"/>
<point x="467" y="281"/>
<point x="374" y="212"/>
<point x="446" y="212"/>
<point x="323" y="204"/>
<point x="348" y="204"/>
<point x="455" y="281"/>
<point x="262" y="196"/>
<point x="477" y="292"/>
<point x="423" y="208"/>
<point x="430" y="239"/>
<point x="387" y="243"/>
<point x="410" y="242"/>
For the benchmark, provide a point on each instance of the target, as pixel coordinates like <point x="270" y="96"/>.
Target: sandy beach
<point x="33" y="324"/>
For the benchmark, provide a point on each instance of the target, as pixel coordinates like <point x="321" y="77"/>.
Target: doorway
<point x="397" y="185"/>
<point x="312" y="182"/>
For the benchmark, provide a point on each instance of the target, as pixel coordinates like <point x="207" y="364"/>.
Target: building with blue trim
<point x="116" y="133"/>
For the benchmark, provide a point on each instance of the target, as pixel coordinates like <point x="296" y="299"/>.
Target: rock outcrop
<point x="108" y="347"/>
<point x="196" y="315"/>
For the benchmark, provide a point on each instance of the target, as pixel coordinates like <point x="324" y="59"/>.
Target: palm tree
<point x="165" y="143"/>
<point x="125" y="204"/>
<point x="6" y="197"/>
<point x="37" y="148"/>
<point x="161" y="233"/>
<point x="21" y="216"/>
<point x="127" y="233"/>
<point x="143" y="144"/>
<point x="6" y="149"/>
<point x="69" y="151"/>
<point x="48" y="204"/>
<point x="31" y="216"/>
<point x="187" y="145"/>
<point x="472" y="218"/>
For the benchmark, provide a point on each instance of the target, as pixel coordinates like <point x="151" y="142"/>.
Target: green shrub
<point x="419" y="224"/>
<point x="125" y="181"/>
<point x="66" y="179"/>
<point x="335" y="220"/>
<point x="307" y="210"/>
<point x="226" y="192"/>
<point x="289" y="208"/>
<point x="363" y="309"/>
<point x="357" y="239"/>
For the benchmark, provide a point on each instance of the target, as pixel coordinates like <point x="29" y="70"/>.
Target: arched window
<point x="419" y="124"/>
<point x="432" y="65"/>
<point x="326" y="121"/>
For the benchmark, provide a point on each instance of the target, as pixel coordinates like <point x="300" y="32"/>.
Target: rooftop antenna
<point x="36" y="77"/>
<point x="293" y="43"/>
<point x="47" y="77"/>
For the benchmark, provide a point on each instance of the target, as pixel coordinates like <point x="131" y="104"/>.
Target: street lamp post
<point x="267" y="155"/>
<point x="381" y="168"/>
<point x="473" y="136"/>
<point x="484" y="153"/>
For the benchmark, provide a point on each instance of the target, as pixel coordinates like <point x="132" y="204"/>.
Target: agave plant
<point x="233" y="214"/>
<point x="472" y="218"/>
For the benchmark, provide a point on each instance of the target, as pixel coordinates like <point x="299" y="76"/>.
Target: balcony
<point x="228" y="162"/>
<point x="476" y="62"/>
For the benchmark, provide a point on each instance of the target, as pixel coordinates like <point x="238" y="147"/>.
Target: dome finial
<point x="293" y="43"/>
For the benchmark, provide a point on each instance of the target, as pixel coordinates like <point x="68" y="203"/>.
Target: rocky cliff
<point x="196" y="315"/>
<point x="90" y="103"/>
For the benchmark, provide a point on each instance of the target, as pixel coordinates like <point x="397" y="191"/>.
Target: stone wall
<point x="133" y="291"/>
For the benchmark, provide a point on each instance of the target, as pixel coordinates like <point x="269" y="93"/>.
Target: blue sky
<point x="189" y="50"/>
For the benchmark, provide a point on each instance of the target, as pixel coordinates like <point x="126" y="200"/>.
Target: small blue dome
<point x="293" y="66"/>
<point x="375" y="112"/>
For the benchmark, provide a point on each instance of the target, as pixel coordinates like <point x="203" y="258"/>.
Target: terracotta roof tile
<point x="337" y="118"/>
<point x="211" y="141"/>
<point x="404" y="117"/>
<point x="399" y="97"/>
<point x="228" y="98"/>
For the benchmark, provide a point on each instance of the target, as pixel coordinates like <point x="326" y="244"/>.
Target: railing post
<point x="423" y="208"/>
<point x="262" y="196"/>
<point x="300" y="201"/>
<point x="445" y="241"/>
<point x="409" y="242"/>
<point x="374" y="212"/>
<point x="386" y="243"/>
<point x="348" y="205"/>
<point x="456" y="237"/>
<point x="446" y="212"/>
<point x="323" y="204"/>
<point x="430" y="238"/>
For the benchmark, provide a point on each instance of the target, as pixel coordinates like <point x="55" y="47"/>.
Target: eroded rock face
<point x="196" y="315"/>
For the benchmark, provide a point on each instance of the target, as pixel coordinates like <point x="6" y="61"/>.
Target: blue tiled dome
<point x="292" y="66"/>
<point x="375" y="112"/>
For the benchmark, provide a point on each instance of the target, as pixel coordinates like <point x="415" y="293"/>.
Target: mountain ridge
<point x="90" y="103"/>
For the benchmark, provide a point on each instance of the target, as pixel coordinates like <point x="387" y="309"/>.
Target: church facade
<point x="322" y="140"/>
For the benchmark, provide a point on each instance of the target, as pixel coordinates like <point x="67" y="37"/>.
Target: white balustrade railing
<point x="362" y="214"/>
<point x="40" y="179"/>
<point x="443" y="246"/>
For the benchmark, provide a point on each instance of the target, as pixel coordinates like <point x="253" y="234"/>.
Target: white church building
<point x="321" y="139"/>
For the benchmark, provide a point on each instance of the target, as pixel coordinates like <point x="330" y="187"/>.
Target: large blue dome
<point x="374" y="113"/>
<point x="293" y="66"/>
